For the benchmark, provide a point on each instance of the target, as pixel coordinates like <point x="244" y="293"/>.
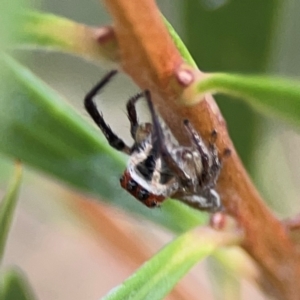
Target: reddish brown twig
<point x="149" y="56"/>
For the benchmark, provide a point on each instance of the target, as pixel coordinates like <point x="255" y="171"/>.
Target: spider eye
<point x="122" y="178"/>
<point x="142" y="195"/>
<point x="131" y="185"/>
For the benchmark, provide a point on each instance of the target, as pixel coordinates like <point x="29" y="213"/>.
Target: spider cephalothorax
<point x="158" y="167"/>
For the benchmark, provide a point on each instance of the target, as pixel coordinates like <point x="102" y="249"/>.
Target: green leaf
<point x="158" y="276"/>
<point x="10" y="21"/>
<point x="38" y="127"/>
<point x="51" y="32"/>
<point x="15" y="287"/>
<point x="48" y="31"/>
<point x="271" y="96"/>
<point x="7" y="208"/>
<point x="179" y="44"/>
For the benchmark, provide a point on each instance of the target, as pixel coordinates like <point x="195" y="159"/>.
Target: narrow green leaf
<point x="7" y="208"/>
<point x="236" y="261"/>
<point x="15" y="287"/>
<point x="51" y="32"/>
<point x="47" y="30"/>
<point x="179" y="44"/>
<point x="271" y="96"/>
<point x="158" y="276"/>
<point x="38" y="127"/>
<point x="10" y="21"/>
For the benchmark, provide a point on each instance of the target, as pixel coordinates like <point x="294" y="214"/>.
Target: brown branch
<point x="149" y="56"/>
<point x="293" y="227"/>
<point x="293" y="224"/>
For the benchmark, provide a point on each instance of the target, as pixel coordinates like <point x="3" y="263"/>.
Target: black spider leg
<point x="131" y="112"/>
<point x="91" y="108"/>
<point x="160" y="145"/>
<point x="210" y="169"/>
<point x="210" y="201"/>
<point x="216" y="162"/>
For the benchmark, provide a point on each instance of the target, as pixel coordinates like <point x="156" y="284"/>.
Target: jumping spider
<point x="158" y="167"/>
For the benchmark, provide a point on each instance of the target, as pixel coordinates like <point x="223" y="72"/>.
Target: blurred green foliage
<point x="14" y="286"/>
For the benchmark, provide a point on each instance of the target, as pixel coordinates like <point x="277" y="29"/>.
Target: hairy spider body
<point x="158" y="166"/>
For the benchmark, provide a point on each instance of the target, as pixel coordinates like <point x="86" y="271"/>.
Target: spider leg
<point x="159" y="144"/>
<point x="209" y="155"/>
<point x="198" y="142"/>
<point x="208" y="200"/>
<point x="216" y="162"/>
<point x="132" y="116"/>
<point x="91" y="108"/>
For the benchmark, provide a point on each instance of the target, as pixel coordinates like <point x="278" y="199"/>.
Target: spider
<point x="159" y="167"/>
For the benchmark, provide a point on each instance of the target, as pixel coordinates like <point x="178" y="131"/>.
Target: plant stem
<point x="150" y="57"/>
